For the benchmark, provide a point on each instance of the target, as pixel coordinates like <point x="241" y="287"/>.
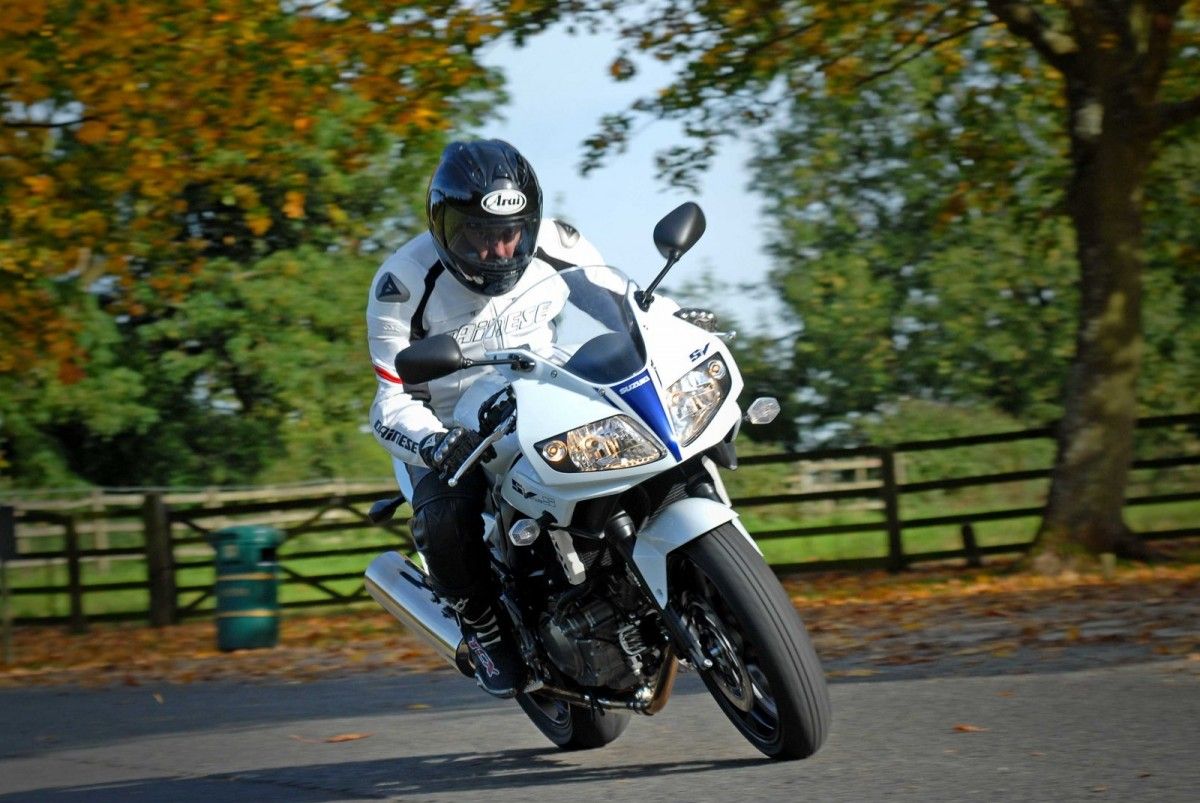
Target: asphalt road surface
<point x="1119" y="733"/>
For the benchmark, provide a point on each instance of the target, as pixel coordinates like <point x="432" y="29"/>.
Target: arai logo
<point x="503" y="202"/>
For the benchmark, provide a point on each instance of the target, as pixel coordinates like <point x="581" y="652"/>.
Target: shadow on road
<point x="416" y="775"/>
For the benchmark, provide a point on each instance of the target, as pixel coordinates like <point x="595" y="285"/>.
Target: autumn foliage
<point x="193" y="196"/>
<point x="139" y="139"/>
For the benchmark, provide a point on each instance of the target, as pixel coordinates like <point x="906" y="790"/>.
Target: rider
<point x="486" y="244"/>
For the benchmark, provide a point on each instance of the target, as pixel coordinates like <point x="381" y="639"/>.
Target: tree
<point x="1126" y="72"/>
<point x="169" y="172"/>
<point x="956" y="273"/>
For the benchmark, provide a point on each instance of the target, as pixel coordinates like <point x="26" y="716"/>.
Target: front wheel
<point x="572" y="727"/>
<point x="765" y="676"/>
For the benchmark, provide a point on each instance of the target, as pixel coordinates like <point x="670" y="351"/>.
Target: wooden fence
<point x="892" y="490"/>
<point x="166" y="532"/>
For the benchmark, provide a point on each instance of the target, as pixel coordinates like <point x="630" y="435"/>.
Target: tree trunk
<point x="1111" y="145"/>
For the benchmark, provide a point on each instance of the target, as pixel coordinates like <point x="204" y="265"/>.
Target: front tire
<point x="766" y="676"/>
<point x="572" y="727"/>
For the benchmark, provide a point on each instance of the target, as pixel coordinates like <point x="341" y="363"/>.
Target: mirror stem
<point x="644" y="297"/>
<point x="514" y="361"/>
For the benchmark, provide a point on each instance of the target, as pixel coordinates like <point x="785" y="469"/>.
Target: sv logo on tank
<point x="541" y="499"/>
<point x="511" y="324"/>
<point x="503" y="202"/>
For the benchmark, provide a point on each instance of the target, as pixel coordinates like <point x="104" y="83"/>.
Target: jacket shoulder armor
<point x="390" y="289"/>
<point x="399" y="282"/>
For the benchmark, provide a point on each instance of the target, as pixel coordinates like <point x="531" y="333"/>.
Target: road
<point x="1117" y="732"/>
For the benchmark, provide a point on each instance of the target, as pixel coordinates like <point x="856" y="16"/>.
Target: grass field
<point x="758" y="520"/>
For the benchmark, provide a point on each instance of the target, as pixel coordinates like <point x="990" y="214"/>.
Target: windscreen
<point x="594" y="335"/>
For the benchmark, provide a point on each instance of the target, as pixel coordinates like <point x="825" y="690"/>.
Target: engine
<point x="600" y="640"/>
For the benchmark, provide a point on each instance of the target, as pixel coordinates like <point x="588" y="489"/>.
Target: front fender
<point x="673" y="527"/>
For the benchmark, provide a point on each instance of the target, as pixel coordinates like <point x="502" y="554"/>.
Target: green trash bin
<point x="247" y="582"/>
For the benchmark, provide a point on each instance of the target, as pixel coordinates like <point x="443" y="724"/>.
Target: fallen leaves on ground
<point x="341" y="737"/>
<point x="310" y="647"/>
<point x="862" y="624"/>
<point x="347" y="737"/>
<point x="979" y="616"/>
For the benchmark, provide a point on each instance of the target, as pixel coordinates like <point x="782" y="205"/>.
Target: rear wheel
<point x="765" y="676"/>
<point x="572" y="727"/>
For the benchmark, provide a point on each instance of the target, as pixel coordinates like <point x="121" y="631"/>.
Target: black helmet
<point x="484" y="206"/>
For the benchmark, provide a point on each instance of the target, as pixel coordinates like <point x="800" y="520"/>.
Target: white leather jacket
<point x="413" y="296"/>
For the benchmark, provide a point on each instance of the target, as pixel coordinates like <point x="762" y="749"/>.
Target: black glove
<point x="445" y="452"/>
<point x="499" y="406"/>
<point x="705" y="319"/>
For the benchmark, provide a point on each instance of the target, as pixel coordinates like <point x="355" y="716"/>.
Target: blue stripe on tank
<point x="639" y="393"/>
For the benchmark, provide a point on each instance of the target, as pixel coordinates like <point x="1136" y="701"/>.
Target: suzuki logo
<point x="634" y="385"/>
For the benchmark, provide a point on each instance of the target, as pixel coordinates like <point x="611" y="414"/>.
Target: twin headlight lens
<point x="621" y="442"/>
<point x="694" y="399"/>
<point x="611" y="443"/>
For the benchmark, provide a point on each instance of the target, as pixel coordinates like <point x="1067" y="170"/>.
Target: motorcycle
<point x="604" y="417"/>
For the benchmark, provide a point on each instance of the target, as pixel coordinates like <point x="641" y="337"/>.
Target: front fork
<point x="620" y="532"/>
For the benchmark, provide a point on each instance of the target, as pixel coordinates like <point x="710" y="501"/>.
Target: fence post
<point x="891" y="510"/>
<point x="160" y="561"/>
<point x="100" y="528"/>
<point x="74" y="577"/>
<point x="970" y="547"/>
<point x="8" y="550"/>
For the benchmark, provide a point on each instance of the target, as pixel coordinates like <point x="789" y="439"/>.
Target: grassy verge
<point x="759" y="519"/>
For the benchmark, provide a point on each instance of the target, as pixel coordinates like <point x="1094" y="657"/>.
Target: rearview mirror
<point x="431" y="358"/>
<point x="679" y="230"/>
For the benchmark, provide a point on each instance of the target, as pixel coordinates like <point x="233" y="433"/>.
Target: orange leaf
<point x="348" y="737"/>
<point x="965" y="728"/>
<point x="259" y="224"/>
<point x="293" y="206"/>
<point x="92" y="132"/>
<point x="39" y="185"/>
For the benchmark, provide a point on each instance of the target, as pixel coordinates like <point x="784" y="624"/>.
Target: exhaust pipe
<point x="403" y="591"/>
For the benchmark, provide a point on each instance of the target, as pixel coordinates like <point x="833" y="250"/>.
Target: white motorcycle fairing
<point x="552" y="400"/>
<point x="677" y="524"/>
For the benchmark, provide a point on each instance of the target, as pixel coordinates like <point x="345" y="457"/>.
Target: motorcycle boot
<point x="498" y="665"/>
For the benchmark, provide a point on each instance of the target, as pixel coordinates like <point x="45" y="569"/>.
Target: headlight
<point x="692" y="401"/>
<point x="611" y="443"/>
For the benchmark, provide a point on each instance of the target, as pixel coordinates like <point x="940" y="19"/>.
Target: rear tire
<point x="572" y="727"/>
<point x="766" y="676"/>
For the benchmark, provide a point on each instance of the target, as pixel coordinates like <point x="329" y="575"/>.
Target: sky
<point x="559" y="87"/>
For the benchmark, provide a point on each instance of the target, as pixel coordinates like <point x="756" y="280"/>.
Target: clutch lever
<point x="506" y="426"/>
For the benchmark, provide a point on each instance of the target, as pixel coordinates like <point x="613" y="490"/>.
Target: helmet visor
<point x="490" y="246"/>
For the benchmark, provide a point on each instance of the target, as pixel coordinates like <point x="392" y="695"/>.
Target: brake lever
<point x="506" y="426"/>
